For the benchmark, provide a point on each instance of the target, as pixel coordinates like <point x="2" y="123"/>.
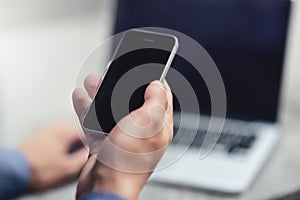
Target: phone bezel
<point x="162" y="77"/>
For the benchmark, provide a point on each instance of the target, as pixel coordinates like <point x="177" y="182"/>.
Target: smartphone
<point x="152" y="50"/>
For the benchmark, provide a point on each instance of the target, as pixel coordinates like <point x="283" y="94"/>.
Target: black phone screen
<point x="136" y="49"/>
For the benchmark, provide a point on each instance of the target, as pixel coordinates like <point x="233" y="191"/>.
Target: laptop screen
<point x="246" y="39"/>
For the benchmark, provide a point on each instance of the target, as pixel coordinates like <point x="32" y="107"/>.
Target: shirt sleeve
<point x="100" y="196"/>
<point x="14" y="174"/>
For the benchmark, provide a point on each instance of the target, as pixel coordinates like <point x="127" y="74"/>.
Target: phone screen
<point x="137" y="48"/>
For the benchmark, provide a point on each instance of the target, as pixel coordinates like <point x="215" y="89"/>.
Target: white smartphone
<point x="137" y="47"/>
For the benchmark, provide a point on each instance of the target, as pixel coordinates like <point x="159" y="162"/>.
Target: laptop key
<point x="247" y="141"/>
<point x="241" y="142"/>
<point x="232" y="147"/>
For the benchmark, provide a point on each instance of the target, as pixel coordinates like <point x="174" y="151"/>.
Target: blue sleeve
<point x="100" y="196"/>
<point x="14" y="174"/>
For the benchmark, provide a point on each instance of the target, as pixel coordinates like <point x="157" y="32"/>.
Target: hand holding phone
<point x="96" y="176"/>
<point x="119" y="173"/>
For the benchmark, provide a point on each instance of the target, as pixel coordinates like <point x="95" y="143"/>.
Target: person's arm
<point x="41" y="162"/>
<point x="14" y="174"/>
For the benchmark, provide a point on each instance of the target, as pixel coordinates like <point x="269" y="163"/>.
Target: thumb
<point x="154" y="107"/>
<point x="155" y="94"/>
<point x="149" y="119"/>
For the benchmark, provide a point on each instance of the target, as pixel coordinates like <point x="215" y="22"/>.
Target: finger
<point x="155" y="104"/>
<point x="155" y="97"/>
<point x="144" y="123"/>
<point x="129" y="142"/>
<point x="155" y="94"/>
<point x="169" y="98"/>
<point x="170" y="122"/>
<point x="81" y="102"/>
<point x="91" y="84"/>
<point x="149" y="119"/>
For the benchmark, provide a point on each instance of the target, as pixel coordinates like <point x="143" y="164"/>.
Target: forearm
<point x="14" y="174"/>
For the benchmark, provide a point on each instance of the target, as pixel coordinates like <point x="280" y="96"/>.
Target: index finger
<point x="91" y="84"/>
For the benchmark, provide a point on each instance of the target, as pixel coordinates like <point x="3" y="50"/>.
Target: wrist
<point x="15" y="174"/>
<point x="126" y="185"/>
<point x="31" y="166"/>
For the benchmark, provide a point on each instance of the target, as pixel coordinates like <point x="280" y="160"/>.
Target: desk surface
<point x="279" y="177"/>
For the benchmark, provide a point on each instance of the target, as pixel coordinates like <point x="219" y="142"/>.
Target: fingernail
<point x="159" y="83"/>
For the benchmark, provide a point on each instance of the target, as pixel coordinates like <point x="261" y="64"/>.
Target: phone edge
<point x="162" y="77"/>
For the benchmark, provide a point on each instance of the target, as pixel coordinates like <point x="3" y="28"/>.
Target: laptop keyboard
<point x="229" y="141"/>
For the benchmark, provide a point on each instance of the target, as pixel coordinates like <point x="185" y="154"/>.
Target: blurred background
<point x="42" y="46"/>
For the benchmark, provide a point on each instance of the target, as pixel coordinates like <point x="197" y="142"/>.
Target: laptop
<point x="246" y="39"/>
